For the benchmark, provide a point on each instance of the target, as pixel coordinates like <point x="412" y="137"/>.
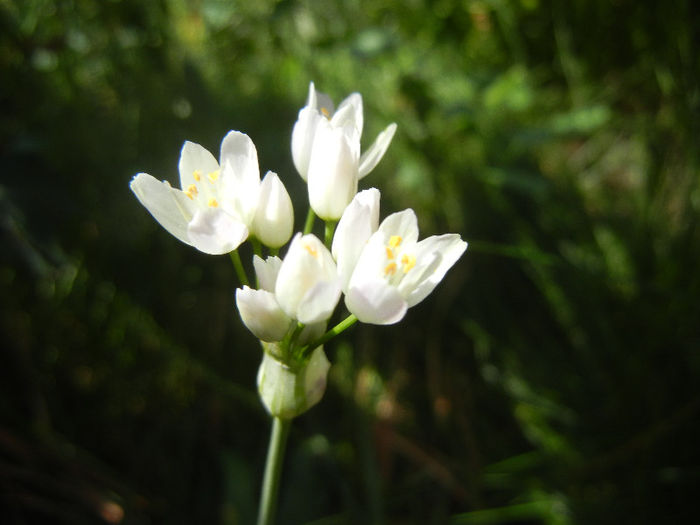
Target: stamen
<point x="212" y="203"/>
<point x="395" y="241"/>
<point x="312" y="251"/>
<point x="390" y="253"/>
<point x="390" y="269"/>
<point x="191" y="190"/>
<point x="326" y="113"/>
<point x="213" y="175"/>
<point x="408" y="261"/>
<point x="197" y="175"/>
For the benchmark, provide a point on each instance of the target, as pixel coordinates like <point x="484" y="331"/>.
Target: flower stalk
<point x="309" y="223"/>
<point x="330" y="334"/>
<point x="238" y="266"/>
<point x="273" y="470"/>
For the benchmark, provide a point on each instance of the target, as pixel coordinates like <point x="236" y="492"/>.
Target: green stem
<point x="330" y="334"/>
<point x="309" y="224"/>
<point x="273" y="470"/>
<point x="330" y="229"/>
<point x="238" y="265"/>
<point x="257" y="246"/>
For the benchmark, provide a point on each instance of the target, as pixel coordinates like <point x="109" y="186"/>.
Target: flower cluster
<point x="380" y="269"/>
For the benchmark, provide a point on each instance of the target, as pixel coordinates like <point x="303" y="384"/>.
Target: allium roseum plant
<point x="379" y="269"/>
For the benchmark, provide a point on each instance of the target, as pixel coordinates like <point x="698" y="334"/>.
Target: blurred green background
<point x="551" y="378"/>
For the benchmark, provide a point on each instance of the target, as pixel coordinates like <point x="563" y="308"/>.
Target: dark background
<point x="552" y="376"/>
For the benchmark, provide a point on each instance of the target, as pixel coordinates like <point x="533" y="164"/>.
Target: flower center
<point x="209" y="190"/>
<point x="405" y="262"/>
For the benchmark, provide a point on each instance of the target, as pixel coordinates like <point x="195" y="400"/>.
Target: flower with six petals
<point x="385" y="270"/>
<point x="217" y="207"/>
<point x="326" y="151"/>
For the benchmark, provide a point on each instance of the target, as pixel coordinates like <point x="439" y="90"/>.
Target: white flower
<point x="215" y="206"/>
<point x="259" y="309"/>
<point x="385" y="272"/>
<point x="359" y="221"/>
<point x="307" y="286"/>
<point x="326" y="151"/>
<point x="274" y="217"/>
<point x="262" y="314"/>
<point x="219" y="205"/>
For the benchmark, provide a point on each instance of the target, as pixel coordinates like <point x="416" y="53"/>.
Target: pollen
<point x="326" y="113"/>
<point x="191" y="191"/>
<point x="390" y="269"/>
<point x="197" y="175"/>
<point x="390" y="253"/>
<point x="212" y="203"/>
<point x="395" y="241"/>
<point x="408" y="262"/>
<point x="312" y="251"/>
<point x="213" y="175"/>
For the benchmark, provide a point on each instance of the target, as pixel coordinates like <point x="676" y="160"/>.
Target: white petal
<point x="372" y="261"/>
<point x="311" y="99"/>
<point x="403" y="224"/>
<point x="215" y="232"/>
<point x="319" y="302"/>
<point x="303" y="139"/>
<point x="435" y="256"/>
<point x="266" y="271"/>
<point x="359" y="221"/>
<point x="170" y="207"/>
<point x="374" y="154"/>
<point x="238" y="149"/>
<point x="194" y="157"/>
<point x="349" y="114"/>
<point x="274" y="217"/>
<point x="374" y="301"/>
<point x="332" y="176"/>
<point x="241" y="174"/>
<point x="307" y="263"/>
<point x="261" y="314"/>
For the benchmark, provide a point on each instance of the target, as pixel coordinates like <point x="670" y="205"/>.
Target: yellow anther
<point x="408" y="261"/>
<point x="390" y="269"/>
<point x="326" y="113"/>
<point x="390" y="253"/>
<point x="395" y="241"/>
<point x="212" y="203"/>
<point x="312" y="251"/>
<point x="197" y="175"/>
<point x="213" y="175"/>
<point x="191" y="190"/>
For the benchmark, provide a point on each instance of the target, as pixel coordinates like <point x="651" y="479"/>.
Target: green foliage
<point x="550" y="379"/>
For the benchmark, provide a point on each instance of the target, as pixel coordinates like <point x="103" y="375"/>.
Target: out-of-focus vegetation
<point x="551" y="378"/>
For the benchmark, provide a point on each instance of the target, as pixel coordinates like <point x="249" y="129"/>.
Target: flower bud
<point x="289" y="391"/>
<point x="274" y="217"/>
<point x="333" y="171"/>
<point x="261" y="314"/>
